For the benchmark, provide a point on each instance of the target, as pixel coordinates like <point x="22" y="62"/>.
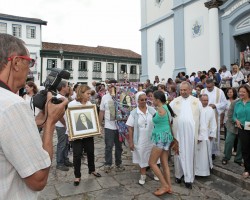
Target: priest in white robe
<point x="218" y="102"/>
<point x="185" y="129"/>
<point x="207" y="132"/>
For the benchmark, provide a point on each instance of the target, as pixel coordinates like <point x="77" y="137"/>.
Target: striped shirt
<point x="21" y="152"/>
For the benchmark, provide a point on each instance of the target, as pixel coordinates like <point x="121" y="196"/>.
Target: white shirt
<point x="226" y="74"/>
<point x="208" y="126"/>
<point x="108" y="106"/>
<point x="237" y="78"/>
<point x="21" y="150"/>
<point x="59" y="124"/>
<point x="191" y="79"/>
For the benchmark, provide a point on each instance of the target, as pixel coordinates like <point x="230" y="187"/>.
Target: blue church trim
<point x="179" y="41"/>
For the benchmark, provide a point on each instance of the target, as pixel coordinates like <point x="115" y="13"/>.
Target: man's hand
<point x="131" y="146"/>
<point x="238" y="124"/>
<point x="212" y="105"/>
<point x="53" y="112"/>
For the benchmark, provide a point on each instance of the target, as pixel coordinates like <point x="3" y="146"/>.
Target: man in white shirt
<point x="25" y="156"/>
<point x="62" y="138"/>
<point x="207" y="131"/>
<point x="107" y="111"/>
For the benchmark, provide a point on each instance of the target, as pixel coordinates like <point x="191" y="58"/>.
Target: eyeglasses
<point x="31" y="61"/>
<point x="143" y="99"/>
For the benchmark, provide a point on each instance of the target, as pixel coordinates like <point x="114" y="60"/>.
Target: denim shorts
<point x="162" y="145"/>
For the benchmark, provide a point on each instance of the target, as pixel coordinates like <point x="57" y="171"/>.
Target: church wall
<point x="165" y="31"/>
<point x="196" y="45"/>
<point x="156" y="11"/>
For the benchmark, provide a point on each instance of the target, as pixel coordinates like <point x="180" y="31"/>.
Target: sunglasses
<point x="31" y="61"/>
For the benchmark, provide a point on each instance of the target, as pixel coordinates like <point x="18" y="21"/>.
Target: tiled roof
<point x="99" y="50"/>
<point x="22" y="19"/>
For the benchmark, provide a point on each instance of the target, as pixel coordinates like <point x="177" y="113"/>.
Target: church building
<point x="193" y="35"/>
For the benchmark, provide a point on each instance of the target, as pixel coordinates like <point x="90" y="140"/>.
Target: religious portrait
<point x="82" y="121"/>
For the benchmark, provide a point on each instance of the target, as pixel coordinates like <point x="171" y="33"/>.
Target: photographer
<point x="25" y="158"/>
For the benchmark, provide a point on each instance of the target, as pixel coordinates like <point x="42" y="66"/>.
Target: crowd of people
<point x="189" y="112"/>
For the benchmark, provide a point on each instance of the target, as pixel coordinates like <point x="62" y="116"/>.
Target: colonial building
<point x="87" y="64"/>
<point x="30" y="31"/>
<point x="192" y="35"/>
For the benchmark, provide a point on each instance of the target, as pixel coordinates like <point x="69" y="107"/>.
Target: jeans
<point x="244" y="138"/>
<point x="88" y="145"/>
<point x="229" y="143"/>
<point x="62" y="146"/>
<point x="111" y="138"/>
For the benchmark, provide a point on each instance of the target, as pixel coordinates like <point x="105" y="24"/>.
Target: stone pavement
<point x="231" y="172"/>
<point x="124" y="185"/>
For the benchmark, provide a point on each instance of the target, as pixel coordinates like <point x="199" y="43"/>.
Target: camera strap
<point x="3" y="85"/>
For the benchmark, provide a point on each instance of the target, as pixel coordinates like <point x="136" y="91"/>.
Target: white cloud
<point x="113" y="23"/>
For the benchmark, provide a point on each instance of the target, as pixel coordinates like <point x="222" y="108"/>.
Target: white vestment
<point x="216" y="97"/>
<point x="185" y="128"/>
<point x="208" y="128"/>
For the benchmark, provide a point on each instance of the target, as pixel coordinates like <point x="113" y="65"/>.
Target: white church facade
<point x="192" y="35"/>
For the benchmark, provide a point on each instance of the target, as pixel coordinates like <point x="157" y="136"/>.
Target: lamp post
<point x="61" y="53"/>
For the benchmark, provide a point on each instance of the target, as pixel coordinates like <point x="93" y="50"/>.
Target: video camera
<point x="50" y="84"/>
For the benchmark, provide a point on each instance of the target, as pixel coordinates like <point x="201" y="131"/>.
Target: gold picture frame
<point x="83" y="122"/>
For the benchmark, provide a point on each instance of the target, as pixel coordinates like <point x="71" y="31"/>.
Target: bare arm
<point x="130" y="135"/>
<point x="38" y="180"/>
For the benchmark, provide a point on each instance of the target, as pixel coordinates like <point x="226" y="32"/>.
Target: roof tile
<point x="99" y="50"/>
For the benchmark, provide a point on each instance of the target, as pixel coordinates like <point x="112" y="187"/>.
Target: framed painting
<point x="83" y="122"/>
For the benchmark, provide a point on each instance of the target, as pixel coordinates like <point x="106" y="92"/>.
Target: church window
<point x="160" y="51"/>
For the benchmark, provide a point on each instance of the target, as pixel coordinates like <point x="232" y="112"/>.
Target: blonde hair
<point x="236" y="66"/>
<point x="80" y="90"/>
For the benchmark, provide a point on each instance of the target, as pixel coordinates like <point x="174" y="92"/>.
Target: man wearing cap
<point x="25" y="158"/>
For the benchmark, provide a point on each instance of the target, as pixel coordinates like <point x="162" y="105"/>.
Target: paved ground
<point x="124" y="185"/>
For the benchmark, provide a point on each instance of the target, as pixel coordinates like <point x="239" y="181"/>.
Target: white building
<point x="192" y="35"/>
<point x="30" y="31"/>
<point x="87" y="64"/>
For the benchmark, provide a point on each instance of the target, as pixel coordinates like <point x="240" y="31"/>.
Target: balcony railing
<point x="83" y="74"/>
<point x="134" y="77"/>
<point x="110" y="75"/>
<point x="96" y="75"/>
<point x="129" y="77"/>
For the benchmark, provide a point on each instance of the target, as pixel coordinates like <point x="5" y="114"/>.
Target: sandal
<point x="224" y="161"/>
<point x="96" y="174"/>
<point x="245" y="175"/>
<point x="240" y="163"/>
<point x="77" y="181"/>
